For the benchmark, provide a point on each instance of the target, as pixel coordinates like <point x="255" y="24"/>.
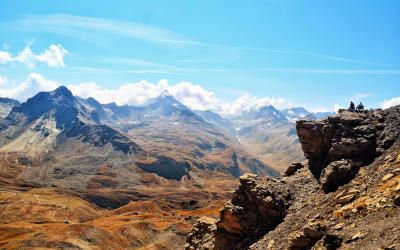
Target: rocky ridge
<point x="344" y="196"/>
<point x="6" y="104"/>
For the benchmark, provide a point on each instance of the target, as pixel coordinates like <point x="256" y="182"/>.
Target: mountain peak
<point x="267" y="107"/>
<point x="165" y="93"/>
<point x="62" y="91"/>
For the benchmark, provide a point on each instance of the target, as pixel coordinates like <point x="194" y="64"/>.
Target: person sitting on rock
<point x="352" y="107"/>
<point x="360" y="108"/>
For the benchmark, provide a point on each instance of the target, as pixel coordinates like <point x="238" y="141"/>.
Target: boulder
<point x="338" y="173"/>
<point x="202" y="235"/>
<point x="257" y="207"/>
<point x="359" y="137"/>
<point x="396" y="200"/>
<point x="307" y="237"/>
<point x="292" y="169"/>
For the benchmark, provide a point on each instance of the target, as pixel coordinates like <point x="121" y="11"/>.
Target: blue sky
<point x="315" y="54"/>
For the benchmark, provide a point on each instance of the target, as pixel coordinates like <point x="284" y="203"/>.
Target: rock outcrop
<point x="257" y="207"/>
<point x="345" y="196"/>
<point x="202" y="235"/>
<point x="337" y="146"/>
<point x="292" y="169"/>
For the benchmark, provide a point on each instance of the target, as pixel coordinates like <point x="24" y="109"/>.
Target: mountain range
<point x="64" y="140"/>
<point x="52" y="120"/>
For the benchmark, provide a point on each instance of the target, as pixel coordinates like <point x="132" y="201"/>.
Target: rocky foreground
<point x="346" y="195"/>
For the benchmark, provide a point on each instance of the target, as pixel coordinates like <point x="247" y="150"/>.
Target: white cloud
<point x="390" y="103"/>
<point x="192" y="95"/>
<point x="83" y="27"/>
<point x="129" y="93"/>
<point x="5" y="57"/>
<point x="248" y="102"/>
<point x="34" y="84"/>
<point x="53" y="56"/>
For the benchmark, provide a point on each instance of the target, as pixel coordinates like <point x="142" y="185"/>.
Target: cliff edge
<point x="346" y="195"/>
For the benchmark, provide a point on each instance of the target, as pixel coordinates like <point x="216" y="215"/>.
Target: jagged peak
<point x="93" y="101"/>
<point x="267" y="107"/>
<point x="62" y="91"/>
<point x="164" y="94"/>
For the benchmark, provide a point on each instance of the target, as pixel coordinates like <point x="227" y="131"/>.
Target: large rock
<point x="307" y="237"/>
<point x="338" y="173"/>
<point x="358" y="137"/>
<point x="202" y="235"/>
<point x="292" y="169"/>
<point x="257" y="207"/>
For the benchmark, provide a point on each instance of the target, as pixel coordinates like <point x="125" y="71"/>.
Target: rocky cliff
<point x="346" y="195"/>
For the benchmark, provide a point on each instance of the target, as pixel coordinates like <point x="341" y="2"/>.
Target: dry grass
<point x="52" y="218"/>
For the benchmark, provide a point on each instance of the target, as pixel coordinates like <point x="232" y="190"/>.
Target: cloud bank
<point x="138" y="93"/>
<point x="34" y="84"/>
<point x="53" y="56"/>
<point x="390" y="103"/>
<point x="248" y="102"/>
<point x="192" y="95"/>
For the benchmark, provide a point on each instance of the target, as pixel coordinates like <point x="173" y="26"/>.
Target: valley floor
<point x="49" y="218"/>
<point x="157" y="217"/>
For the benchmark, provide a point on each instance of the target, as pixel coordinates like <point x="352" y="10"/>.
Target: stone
<point x="328" y="242"/>
<point x="334" y="118"/>
<point x="270" y="244"/>
<point x="315" y="138"/>
<point x="345" y="199"/>
<point x="389" y="158"/>
<point x="230" y="219"/>
<point x="202" y="235"/>
<point x="387" y="177"/>
<point x="350" y="118"/>
<point x="358" y="235"/>
<point x="359" y="137"/>
<point x="312" y="232"/>
<point x="291" y="170"/>
<point x="337" y="173"/>
<point x="338" y="226"/>
<point x="379" y="151"/>
<point x="397" y="188"/>
<point x="298" y="241"/>
<point x="257" y="206"/>
<point x="396" y="200"/>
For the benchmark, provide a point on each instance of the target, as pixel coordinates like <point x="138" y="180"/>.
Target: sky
<point x="227" y="56"/>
